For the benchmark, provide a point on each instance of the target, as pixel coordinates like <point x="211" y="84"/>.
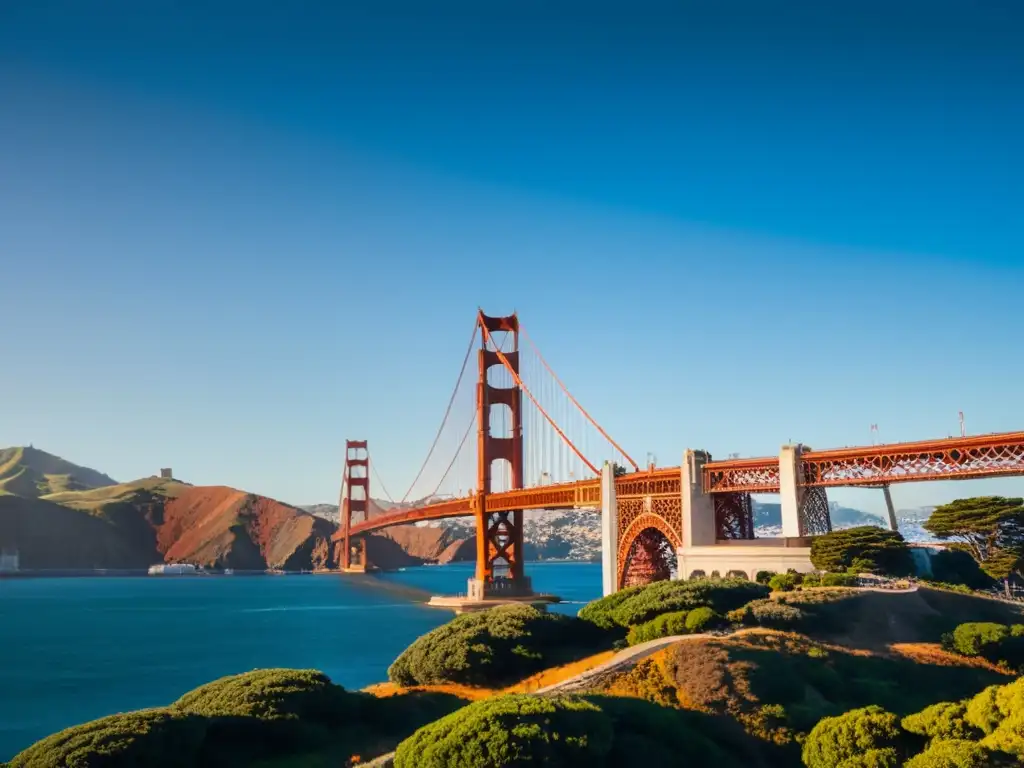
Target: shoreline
<point x="29" y="573"/>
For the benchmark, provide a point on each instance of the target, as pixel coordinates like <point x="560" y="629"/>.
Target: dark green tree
<point x="991" y="528"/>
<point x="865" y="547"/>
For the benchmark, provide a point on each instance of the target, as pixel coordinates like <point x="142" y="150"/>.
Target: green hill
<point x="32" y="473"/>
<point x="99" y="499"/>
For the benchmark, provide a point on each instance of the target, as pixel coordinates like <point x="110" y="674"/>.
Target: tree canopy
<point x="991" y="528"/>
<point x="496" y="646"/>
<point x="864" y="548"/>
<point x="596" y="732"/>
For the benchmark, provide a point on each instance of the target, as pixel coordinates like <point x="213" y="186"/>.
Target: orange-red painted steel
<point x="954" y="458"/>
<point x="499" y="533"/>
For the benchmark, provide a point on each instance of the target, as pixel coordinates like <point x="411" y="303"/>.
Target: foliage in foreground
<point x="493" y="647"/>
<point x="236" y="720"/>
<point x="778" y="686"/>
<point x="636" y="605"/>
<point x="574" y="731"/>
<point x="985" y="730"/>
<point x="991" y="528"/>
<point x="999" y="643"/>
<point x="864" y="548"/>
<point x="698" y="620"/>
<point x="957" y="567"/>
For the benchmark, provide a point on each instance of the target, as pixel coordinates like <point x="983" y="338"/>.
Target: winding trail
<point x="628" y="657"/>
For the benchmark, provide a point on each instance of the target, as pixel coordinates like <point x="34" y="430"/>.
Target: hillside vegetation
<point x="31" y="473"/>
<point x="82" y="520"/>
<point x="268" y="717"/>
<point x="854" y="671"/>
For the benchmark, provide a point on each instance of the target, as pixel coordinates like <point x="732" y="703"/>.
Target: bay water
<point x="74" y="649"/>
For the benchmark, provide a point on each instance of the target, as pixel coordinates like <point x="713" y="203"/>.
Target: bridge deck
<point x="957" y="458"/>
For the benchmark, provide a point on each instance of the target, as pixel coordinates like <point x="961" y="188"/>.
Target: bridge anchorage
<point x="537" y="448"/>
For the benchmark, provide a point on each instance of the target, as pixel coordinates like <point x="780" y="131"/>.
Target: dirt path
<point x="628" y="657"/>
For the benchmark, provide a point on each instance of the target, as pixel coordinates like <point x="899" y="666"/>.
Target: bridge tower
<point x="355" y="498"/>
<point x="499" y="536"/>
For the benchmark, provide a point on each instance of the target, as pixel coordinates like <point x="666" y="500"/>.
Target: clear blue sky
<point x="233" y="235"/>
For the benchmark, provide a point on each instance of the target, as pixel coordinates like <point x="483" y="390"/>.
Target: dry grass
<point x="559" y="674"/>
<point x="932" y="653"/>
<point x="529" y="685"/>
<point x="385" y="690"/>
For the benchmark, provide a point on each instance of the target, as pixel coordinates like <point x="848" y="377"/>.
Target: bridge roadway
<point x="957" y="458"/>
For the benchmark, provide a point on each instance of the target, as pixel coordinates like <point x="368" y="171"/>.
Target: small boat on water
<point x="229" y="571"/>
<point x="173" y="569"/>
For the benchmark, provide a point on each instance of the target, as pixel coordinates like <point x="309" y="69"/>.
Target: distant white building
<point x="8" y="561"/>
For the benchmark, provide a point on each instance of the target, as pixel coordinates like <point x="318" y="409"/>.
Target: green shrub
<point x="839" y="580"/>
<point x="770" y="614"/>
<point x="701" y="619"/>
<point x="596" y="732"/>
<point x="974" y="638"/>
<point x="512" y="730"/>
<point x="272" y="694"/>
<point x="644" y="603"/>
<point x="852" y="735"/>
<point x="784" y="582"/>
<point x="666" y="625"/>
<point x="944" y="720"/>
<point x="599" y="611"/>
<point x="954" y="753"/>
<point x="274" y="717"/>
<point x="763" y="577"/>
<point x="493" y="647"/>
<point x="1008" y="737"/>
<point x="158" y="738"/>
<point x="962" y="589"/>
<point x="864" y="548"/>
<point x="811" y="580"/>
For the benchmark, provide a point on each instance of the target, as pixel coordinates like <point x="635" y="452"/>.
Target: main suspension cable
<point x="458" y="451"/>
<point x="447" y="411"/>
<point x="574" y="401"/>
<point x="376" y="475"/>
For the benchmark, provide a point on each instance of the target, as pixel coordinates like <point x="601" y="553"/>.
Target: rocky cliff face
<point x="225" y="528"/>
<point x="135" y="525"/>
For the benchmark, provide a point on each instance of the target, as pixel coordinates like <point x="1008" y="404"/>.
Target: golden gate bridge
<point x="537" y="447"/>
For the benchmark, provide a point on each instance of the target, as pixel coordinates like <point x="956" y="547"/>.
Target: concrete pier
<point x="470" y="604"/>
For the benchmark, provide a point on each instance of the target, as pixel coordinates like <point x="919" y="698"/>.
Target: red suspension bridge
<point x="537" y="447"/>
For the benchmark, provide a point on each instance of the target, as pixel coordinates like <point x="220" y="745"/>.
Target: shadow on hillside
<point x="877" y="620"/>
<point x="742" y="675"/>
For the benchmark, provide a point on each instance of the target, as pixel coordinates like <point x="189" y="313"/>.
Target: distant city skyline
<point x="235" y="235"/>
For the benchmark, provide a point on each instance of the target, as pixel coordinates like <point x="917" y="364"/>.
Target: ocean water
<point x="74" y="649"/>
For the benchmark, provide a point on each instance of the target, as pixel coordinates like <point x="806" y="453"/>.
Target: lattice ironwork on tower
<point x="815" y="517"/>
<point x="734" y="516"/>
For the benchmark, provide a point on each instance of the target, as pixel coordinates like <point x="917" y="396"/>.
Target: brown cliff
<point x="222" y="527"/>
<point x="134" y="525"/>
